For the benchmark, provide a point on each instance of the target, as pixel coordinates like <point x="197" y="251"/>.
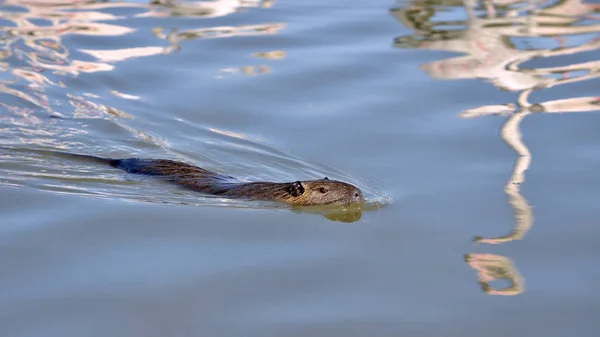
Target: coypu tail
<point x="94" y="159"/>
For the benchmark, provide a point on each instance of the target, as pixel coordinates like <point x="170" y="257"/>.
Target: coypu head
<point x="323" y="192"/>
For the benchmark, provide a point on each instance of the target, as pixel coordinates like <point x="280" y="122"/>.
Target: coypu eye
<point x="356" y="195"/>
<point x="323" y="190"/>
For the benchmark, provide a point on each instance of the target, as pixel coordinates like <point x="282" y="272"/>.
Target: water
<point x="466" y="129"/>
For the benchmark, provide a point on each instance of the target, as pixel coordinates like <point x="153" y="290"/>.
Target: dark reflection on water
<point x="497" y="39"/>
<point x="41" y="110"/>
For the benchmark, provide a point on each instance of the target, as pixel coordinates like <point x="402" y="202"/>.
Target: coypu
<point x="300" y="193"/>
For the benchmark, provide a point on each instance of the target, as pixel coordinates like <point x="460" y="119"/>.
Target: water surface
<point x="459" y="123"/>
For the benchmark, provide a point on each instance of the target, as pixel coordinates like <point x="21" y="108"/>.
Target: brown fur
<point x="305" y="193"/>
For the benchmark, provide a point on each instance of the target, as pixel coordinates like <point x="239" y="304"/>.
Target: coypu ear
<point x="295" y="189"/>
<point x="326" y="179"/>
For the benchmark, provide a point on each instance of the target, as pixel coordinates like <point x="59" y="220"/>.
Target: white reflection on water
<point x="34" y="55"/>
<point x="491" y="53"/>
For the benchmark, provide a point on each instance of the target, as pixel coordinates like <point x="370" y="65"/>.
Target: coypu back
<point x="160" y="167"/>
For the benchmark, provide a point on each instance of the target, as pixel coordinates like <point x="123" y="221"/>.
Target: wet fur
<point x="305" y="193"/>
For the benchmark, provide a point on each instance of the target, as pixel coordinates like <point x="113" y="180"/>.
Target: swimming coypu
<point x="300" y="193"/>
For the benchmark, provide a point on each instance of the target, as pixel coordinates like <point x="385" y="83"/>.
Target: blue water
<point x="472" y="134"/>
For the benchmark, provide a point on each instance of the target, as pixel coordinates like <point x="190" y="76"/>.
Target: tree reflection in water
<point x="489" y="54"/>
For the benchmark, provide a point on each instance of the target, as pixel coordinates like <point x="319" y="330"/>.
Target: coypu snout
<point x="324" y="192"/>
